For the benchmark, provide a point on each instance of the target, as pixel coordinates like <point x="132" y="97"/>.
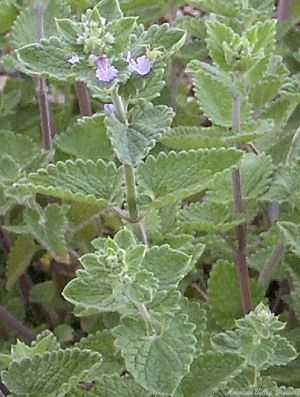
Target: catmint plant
<point x="141" y="241"/>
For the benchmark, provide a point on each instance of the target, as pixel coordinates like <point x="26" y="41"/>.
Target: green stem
<point x="271" y="264"/>
<point x="129" y="177"/>
<point x="239" y="207"/>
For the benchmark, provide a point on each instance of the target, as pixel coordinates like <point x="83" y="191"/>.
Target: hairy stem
<point x="130" y="178"/>
<point x="83" y="99"/>
<point x="21" y="329"/>
<point x="241" y="230"/>
<point x="42" y="89"/>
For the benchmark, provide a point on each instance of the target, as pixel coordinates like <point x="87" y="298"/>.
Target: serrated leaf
<point x="256" y="175"/>
<point x="224" y="297"/>
<point x="111" y="386"/>
<point x="158" y="362"/>
<point x="50" y="60"/>
<point x="103" y="343"/>
<point x="87" y="182"/>
<point x="48" y="226"/>
<point x="211" y="372"/>
<point x="284" y="351"/>
<point x="291" y="235"/>
<point x="133" y="142"/>
<point x="86" y="139"/>
<point x="163" y="37"/>
<point x="219" y="7"/>
<point x="45" y="342"/>
<point x="25" y="28"/>
<point x="19" y="258"/>
<point x="209" y="217"/>
<point x="63" y="369"/>
<point x="8" y="13"/>
<point x="190" y="137"/>
<point x="169" y="266"/>
<point x="109" y="9"/>
<point x="20" y="148"/>
<point x="214" y="93"/>
<point x="217" y="34"/>
<point x="168" y="178"/>
<point x="111" y="278"/>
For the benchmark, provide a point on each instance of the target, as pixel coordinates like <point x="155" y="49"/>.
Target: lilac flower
<point x="141" y="65"/>
<point x="105" y="71"/>
<point x="110" y="108"/>
<point x="74" y="59"/>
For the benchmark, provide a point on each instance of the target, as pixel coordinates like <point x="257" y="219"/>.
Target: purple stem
<point x="21" y="329"/>
<point x="284" y="10"/>
<point x="241" y="230"/>
<point x="83" y="99"/>
<point x="42" y="89"/>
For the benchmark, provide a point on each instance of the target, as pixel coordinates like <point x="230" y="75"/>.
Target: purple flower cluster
<point x="141" y="65"/>
<point x="106" y="72"/>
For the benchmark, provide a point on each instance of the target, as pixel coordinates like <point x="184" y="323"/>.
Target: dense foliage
<point x="149" y="198"/>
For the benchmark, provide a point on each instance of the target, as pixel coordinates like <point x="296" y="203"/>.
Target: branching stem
<point x="239" y="207"/>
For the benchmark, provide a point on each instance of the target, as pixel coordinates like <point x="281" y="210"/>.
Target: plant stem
<point x="271" y="264"/>
<point x="130" y="177"/>
<point x="42" y="89"/>
<point x="284" y="9"/>
<point x="6" y="316"/>
<point x="239" y="207"/>
<point x="83" y="99"/>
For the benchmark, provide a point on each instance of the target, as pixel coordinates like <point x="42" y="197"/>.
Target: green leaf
<point x="83" y="181"/>
<point x="291" y="234"/>
<point x="171" y="177"/>
<point x="133" y="142"/>
<point x="217" y="34"/>
<point x="191" y="137"/>
<point x="20" y="148"/>
<point x="19" y="258"/>
<point x="8" y="14"/>
<point x="284" y="351"/>
<point x="111" y="386"/>
<point x="48" y="226"/>
<point x="111" y="278"/>
<point x="45" y="342"/>
<point x="208" y="217"/>
<point x="86" y="139"/>
<point x="211" y="372"/>
<point x="169" y="266"/>
<point x="109" y="9"/>
<point x="25" y="28"/>
<point x="219" y="7"/>
<point x="50" y="60"/>
<point x="158" y="362"/>
<point x="214" y="92"/>
<point x="224" y="300"/>
<point x="103" y="343"/>
<point x="50" y="373"/>
<point x="256" y="176"/>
